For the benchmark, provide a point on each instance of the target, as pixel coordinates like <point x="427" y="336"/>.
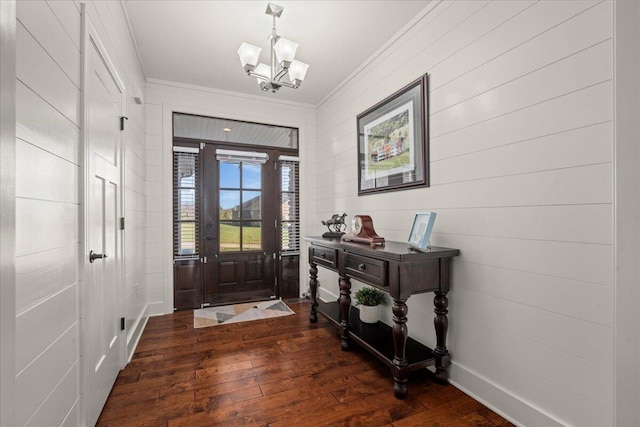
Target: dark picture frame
<point x="393" y="141"/>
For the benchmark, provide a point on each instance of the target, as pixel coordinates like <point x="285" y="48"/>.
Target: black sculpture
<point x="335" y="225"/>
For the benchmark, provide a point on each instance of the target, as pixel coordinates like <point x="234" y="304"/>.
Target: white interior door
<point x="101" y="333"/>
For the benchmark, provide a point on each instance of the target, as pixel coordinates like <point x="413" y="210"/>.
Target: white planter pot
<point x="369" y="314"/>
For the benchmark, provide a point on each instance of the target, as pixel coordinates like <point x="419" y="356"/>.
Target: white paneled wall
<point x="521" y="140"/>
<point x="47" y="213"/>
<point x="48" y="177"/>
<point x="153" y="246"/>
<point x="7" y="210"/>
<point x="163" y="98"/>
<point x="627" y="212"/>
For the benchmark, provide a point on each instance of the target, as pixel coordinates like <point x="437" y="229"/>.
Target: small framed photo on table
<point x="421" y="230"/>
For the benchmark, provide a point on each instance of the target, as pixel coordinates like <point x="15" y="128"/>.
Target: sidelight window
<point x="185" y="202"/>
<point x="289" y="206"/>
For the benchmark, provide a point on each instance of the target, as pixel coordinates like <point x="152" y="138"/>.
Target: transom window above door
<point x="234" y="131"/>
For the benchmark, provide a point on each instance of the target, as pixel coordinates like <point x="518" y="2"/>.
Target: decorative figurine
<point x="335" y="225"/>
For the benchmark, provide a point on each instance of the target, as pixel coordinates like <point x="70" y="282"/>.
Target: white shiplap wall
<point x="162" y="99"/>
<point x="521" y="179"/>
<point x="627" y="212"/>
<point x="7" y="209"/>
<point x="48" y="175"/>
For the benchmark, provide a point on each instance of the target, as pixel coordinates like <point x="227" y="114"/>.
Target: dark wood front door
<point x="238" y="223"/>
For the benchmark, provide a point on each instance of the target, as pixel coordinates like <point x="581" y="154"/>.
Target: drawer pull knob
<point x="362" y="267"/>
<point x="323" y="255"/>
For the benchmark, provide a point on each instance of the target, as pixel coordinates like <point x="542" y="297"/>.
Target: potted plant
<point x="369" y="300"/>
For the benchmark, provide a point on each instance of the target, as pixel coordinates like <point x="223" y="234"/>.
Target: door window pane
<point x="251" y="236"/>
<point x="251" y="176"/>
<point x="187" y="206"/>
<point x="229" y="204"/>
<point x="288" y="209"/>
<point x="288" y="173"/>
<point x="251" y="205"/>
<point x="229" y="236"/>
<point x="187" y="243"/>
<point x="229" y="174"/>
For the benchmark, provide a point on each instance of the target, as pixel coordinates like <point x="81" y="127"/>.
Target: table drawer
<point x="324" y="256"/>
<point x="369" y="270"/>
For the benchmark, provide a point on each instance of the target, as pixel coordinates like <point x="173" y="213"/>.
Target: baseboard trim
<point x="157" y="309"/>
<point x="136" y="332"/>
<point x="494" y="397"/>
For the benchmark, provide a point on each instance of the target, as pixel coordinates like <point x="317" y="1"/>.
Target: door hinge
<point x="205" y="304"/>
<point x="275" y="165"/>
<point x="121" y="223"/>
<point x="203" y="260"/>
<point x="122" y="119"/>
<point x="122" y="323"/>
<point x="202" y="145"/>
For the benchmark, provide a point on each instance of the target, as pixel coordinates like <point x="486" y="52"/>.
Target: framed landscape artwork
<point x="393" y="141"/>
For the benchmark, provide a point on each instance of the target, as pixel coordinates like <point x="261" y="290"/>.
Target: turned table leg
<point x="400" y="370"/>
<point x="313" y="287"/>
<point x="441" y="323"/>
<point x="345" y="308"/>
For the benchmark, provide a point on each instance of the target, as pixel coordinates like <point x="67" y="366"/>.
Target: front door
<point x="239" y="224"/>
<point x="100" y="308"/>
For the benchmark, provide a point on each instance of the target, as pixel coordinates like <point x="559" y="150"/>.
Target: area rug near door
<point x="212" y="316"/>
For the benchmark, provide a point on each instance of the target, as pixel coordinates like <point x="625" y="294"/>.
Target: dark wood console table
<point x="399" y="270"/>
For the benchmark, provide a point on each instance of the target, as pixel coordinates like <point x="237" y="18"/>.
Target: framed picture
<point x="393" y="141"/>
<point x="421" y="230"/>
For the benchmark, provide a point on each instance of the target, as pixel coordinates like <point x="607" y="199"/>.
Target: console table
<point x="401" y="271"/>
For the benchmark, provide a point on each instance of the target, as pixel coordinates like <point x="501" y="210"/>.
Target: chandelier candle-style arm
<point x="282" y="54"/>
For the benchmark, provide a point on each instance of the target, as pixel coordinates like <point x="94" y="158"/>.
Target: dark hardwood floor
<point x="274" y="372"/>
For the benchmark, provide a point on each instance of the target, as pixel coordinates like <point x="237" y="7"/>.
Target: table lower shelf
<point x="378" y="338"/>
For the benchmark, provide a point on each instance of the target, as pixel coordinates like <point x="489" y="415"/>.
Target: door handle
<point x="94" y="256"/>
<point x="209" y="237"/>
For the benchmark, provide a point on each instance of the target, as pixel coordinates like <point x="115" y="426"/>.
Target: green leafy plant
<point x="370" y="296"/>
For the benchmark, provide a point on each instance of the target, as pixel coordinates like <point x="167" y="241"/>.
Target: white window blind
<point x="289" y="206"/>
<point x="186" y="203"/>
<point x="242" y="156"/>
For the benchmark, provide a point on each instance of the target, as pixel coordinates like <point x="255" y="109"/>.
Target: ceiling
<point x="196" y="42"/>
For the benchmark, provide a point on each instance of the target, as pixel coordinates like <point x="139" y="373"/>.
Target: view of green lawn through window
<point x="240" y="199"/>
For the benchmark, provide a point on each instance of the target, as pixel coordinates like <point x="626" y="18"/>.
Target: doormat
<point x="212" y="316"/>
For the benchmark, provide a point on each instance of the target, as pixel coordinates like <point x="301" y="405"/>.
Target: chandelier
<point x="282" y="53"/>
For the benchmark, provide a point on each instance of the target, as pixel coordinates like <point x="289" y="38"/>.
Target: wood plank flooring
<point x="273" y="372"/>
